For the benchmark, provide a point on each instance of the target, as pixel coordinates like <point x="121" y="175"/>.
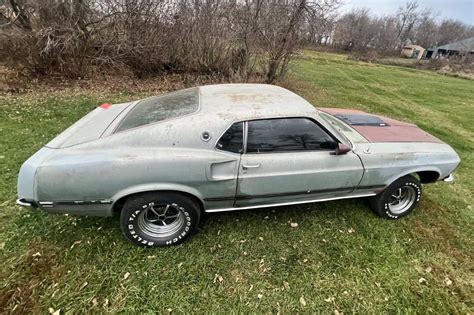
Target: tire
<point x="399" y="199"/>
<point x="159" y="219"/>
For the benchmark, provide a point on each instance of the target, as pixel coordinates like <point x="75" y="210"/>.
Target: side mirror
<point x="342" y="149"/>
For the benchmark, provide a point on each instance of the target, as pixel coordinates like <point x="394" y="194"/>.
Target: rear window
<point x="158" y="108"/>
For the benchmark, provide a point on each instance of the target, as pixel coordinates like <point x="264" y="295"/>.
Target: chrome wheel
<point x="161" y="221"/>
<point x="402" y="199"/>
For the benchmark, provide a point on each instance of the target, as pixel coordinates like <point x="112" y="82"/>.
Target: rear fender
<point x="156" y="187"/>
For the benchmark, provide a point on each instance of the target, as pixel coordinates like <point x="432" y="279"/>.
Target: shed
<point x="460" y="48"/>
<point x="412" y="51"/>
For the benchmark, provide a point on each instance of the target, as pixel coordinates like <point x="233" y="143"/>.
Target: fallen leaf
<point x="126" y="275"/>
<point x="75" y="243"/>
<point x="448" y="281"/>
<point x="219" y="278"/>
<point x="302" y="301"/>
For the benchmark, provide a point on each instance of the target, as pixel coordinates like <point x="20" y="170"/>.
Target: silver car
<point x="163" y="161"/>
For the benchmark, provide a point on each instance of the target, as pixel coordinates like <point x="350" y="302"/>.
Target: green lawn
<point x="340" y="257"/>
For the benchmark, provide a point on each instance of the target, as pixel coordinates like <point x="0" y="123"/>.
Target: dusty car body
<point x="121" y="150"/>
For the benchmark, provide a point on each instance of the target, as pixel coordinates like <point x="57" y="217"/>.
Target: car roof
<point x="251" y="101"/>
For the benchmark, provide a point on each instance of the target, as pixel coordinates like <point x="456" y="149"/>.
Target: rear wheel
<point x="399" y="199"/>
<point x="158" y="219"/>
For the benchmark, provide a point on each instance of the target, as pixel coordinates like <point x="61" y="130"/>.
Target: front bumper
<point x="22" y="202"/>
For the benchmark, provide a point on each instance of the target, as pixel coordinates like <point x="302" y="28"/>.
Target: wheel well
<point x="118" y="205"/>
<point x="428" y="176"/>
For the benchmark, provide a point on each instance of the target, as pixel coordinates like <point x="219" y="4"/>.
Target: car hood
<point x="90" y="127"/>
<point x="381" y="129"/>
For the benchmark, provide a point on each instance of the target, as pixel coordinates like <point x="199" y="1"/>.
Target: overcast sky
<point x="462" y="10"/>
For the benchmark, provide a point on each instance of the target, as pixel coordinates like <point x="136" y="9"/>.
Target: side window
<point x="286" y="134"/>
<point x="233" y="139"/>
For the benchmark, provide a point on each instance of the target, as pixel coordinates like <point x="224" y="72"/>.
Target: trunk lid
<point x="381" y="129"/>
<point x="90" y="127"/>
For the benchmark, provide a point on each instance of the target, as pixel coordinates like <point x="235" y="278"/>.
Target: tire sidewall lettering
<point x="417" y="189"/>
<point x="134" y="230"/>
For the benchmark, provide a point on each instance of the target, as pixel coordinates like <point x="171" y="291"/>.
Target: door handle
<point x="250" y="166"/>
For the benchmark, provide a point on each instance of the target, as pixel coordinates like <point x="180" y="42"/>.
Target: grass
<point x="341" y="257"/>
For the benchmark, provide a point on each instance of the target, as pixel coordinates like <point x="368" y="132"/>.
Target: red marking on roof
<point x="105" y="105"/>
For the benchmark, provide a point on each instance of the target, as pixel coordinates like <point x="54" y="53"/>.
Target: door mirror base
<point x="342" y="149"/>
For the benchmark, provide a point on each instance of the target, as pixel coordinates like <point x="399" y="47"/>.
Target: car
<point x="161" y="162"/>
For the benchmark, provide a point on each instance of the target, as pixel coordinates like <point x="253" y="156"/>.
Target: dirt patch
<point x="39" y="268"/>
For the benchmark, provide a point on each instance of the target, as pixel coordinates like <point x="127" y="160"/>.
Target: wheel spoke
<point x="402" y="199"/>
<point x="153" y="210"/>
<point x="161" y="220"/>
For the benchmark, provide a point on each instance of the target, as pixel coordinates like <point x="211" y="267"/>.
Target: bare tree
<point x="353" y="31"/>
<point x="360" y="31"/>
<point x="407" y="16"/>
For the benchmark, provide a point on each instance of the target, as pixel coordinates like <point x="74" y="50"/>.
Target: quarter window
<point x="287" y="134"/>
<point x="159" y="108"/>
<point x="233" y="139"/>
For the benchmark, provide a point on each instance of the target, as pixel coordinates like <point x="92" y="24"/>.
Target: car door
<point x="286" y="160"/>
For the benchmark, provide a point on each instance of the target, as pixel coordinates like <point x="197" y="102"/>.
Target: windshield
<point x="343" y="128"/>
<point x="158" y="108"/>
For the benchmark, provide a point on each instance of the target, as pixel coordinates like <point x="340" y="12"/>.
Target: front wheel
<point x="158" y="219"/>
<point x="399" y="199"/>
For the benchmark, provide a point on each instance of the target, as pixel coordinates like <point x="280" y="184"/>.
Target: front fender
<point x="412" y="171"/>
